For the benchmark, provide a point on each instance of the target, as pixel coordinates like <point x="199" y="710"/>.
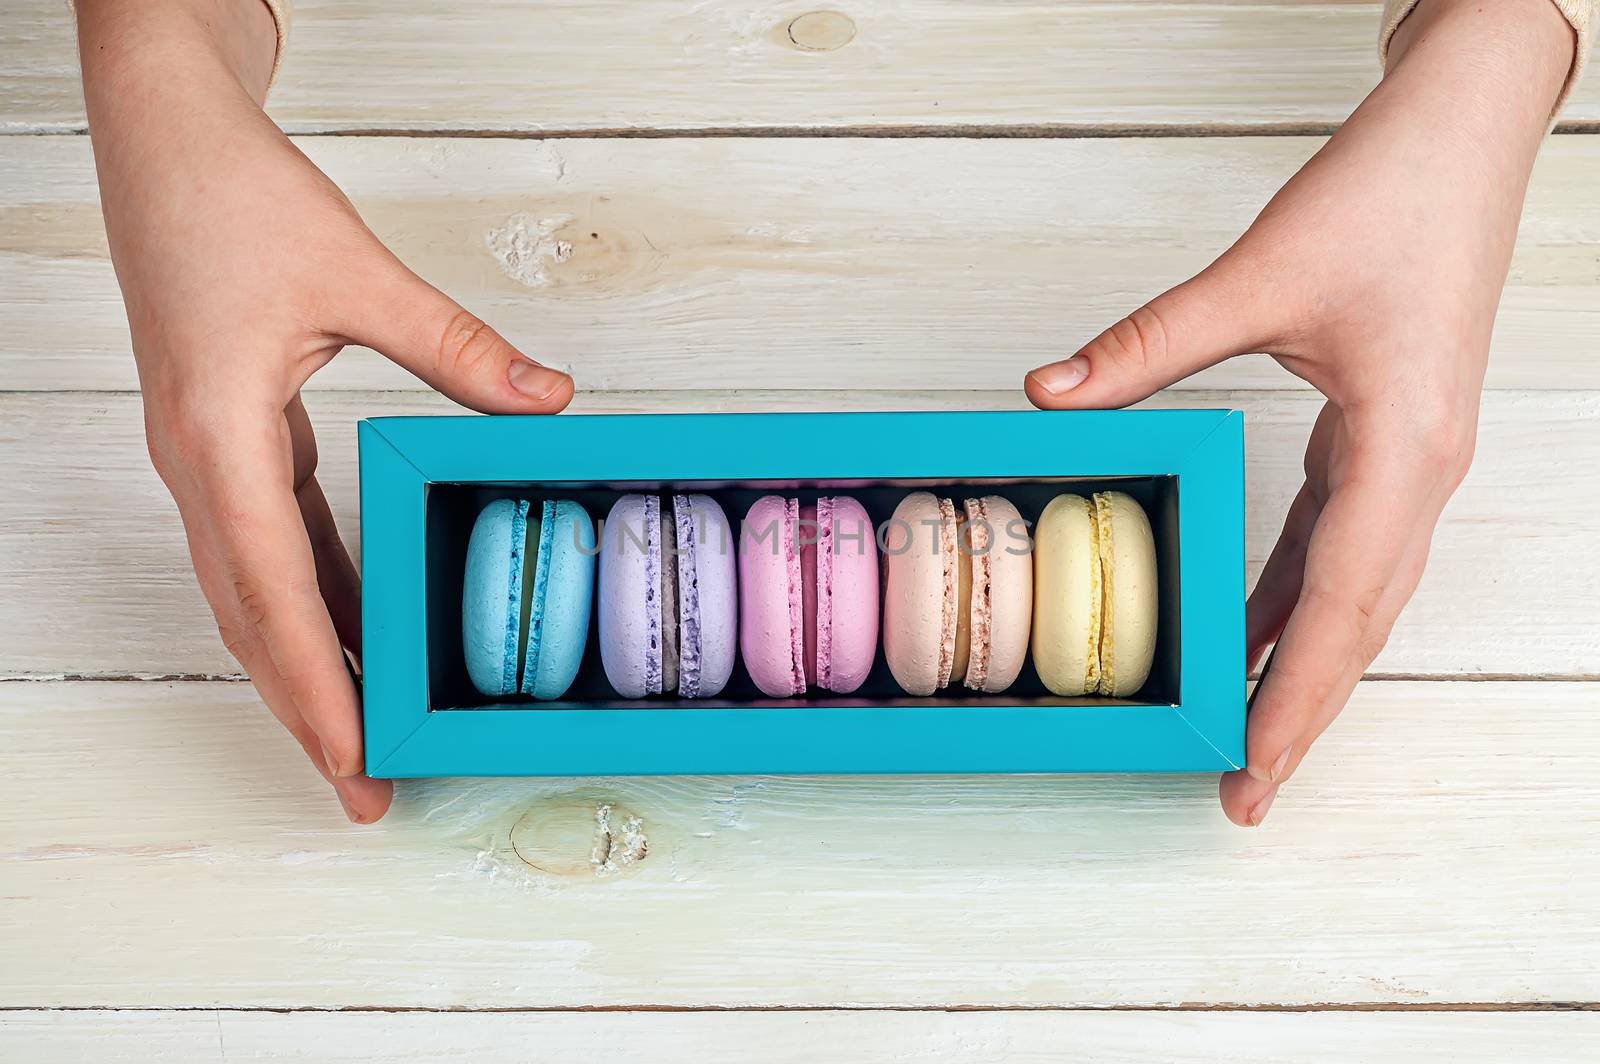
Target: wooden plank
<point x="42" y="1037"/>
<point x="164" y="845"/>
<point x="727" y="263"/>
<point x="735" y="64"/>
<point x="98" y="579"/>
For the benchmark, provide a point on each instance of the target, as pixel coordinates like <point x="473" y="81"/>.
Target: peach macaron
<point x="958" y="597"/>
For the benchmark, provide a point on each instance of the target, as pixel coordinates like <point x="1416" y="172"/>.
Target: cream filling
<point x="1100" y="638"/>
<point x="948" y="549"/>
<point x="654" y="655"/>
<point x="797" y="629"/>
<point x="980" y="541"/>
<point x="530" y="570"/>
<point x="669" y="602"/>
<point x="824" y="617"/>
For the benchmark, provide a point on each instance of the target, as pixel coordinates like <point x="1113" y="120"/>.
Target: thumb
<point x="1201" y="322"/>
<point x="419" y="327"/>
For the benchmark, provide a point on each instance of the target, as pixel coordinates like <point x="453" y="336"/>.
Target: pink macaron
<point x="808" y="595"/>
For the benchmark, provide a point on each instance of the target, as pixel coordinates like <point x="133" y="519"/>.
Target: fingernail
<point x="349" y="810"/>
<point x="1279" y="765"/>
<point x="329" y="760"/>
<point x="1258" y="812"/>
<point x="1061" y="377"/>
<point x="533" y="380"/>
<point x="1269" y="775"/>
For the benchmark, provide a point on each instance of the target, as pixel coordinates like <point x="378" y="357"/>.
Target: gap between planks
<point x="1024" y="131"/>
<point x="514" y="1010"/>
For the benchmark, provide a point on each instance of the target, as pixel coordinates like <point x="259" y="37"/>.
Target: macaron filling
<point x="980" y="540"/>
<point x="949" y="551"/>
<point x="797" y="628"/>
<point x="535" y="582"/>
<point x="652" y="595"/>
<point x="670" y="558"/>
<point x="958" y="667"/>
<point x="517" y="593"/>
<point x="1067" y="597"/>
<point x="1097" y="603"/>
<point x="824" y="593"/>
<point x="686" y="574"/>
<point x="1106" y="682"/>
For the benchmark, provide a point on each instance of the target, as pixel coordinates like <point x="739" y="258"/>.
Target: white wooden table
<point x="747" y="205"/>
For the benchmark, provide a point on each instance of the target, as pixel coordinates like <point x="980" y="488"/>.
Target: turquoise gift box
<point x="424" y="479"/>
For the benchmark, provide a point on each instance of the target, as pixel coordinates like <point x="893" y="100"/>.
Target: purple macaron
<point x="668" y="596"/>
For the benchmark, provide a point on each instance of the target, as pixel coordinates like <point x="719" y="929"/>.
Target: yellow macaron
<point x="1094" y="601"/>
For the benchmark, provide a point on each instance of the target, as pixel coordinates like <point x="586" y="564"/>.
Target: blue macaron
<point x="562" y="596"/>
<point x="528" y="591"/>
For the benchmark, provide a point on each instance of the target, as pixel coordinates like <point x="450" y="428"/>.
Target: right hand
<point x="1374" y="275"/>
<point x="245" y="270"/>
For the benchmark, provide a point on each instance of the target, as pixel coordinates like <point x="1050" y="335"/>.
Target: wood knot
<point x="526" y="247"/>
<point x="822" y="31"/>
<point x="593" y="248"/>
<point x="579" y="836"/>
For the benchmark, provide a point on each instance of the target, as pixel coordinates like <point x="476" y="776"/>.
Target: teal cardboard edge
<point x="1203" y="732"/>
<point x="801" y="741"/>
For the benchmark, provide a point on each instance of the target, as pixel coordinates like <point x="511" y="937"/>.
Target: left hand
<point x="1374" y="275"/>
<point x="244" y="271"/>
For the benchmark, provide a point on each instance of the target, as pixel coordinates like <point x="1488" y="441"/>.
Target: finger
<point x="1217" y="314"/>
<point x="363" y="799"/>
<point x="429" y="334"/>
<point x="1361" y="566"/>
<point x="302" y="440"/>
<point x="212" y="572"/>
<point x="336" y="573"/>
<point x="268" y="600"/>
<point x="1246" y="800"/>
<point x="1278" y="587"/>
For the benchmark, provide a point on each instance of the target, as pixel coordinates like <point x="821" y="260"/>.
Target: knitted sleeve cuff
<point x="282" y="13"/>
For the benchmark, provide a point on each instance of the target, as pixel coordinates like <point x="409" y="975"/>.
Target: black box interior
<point x="452" y="509"/>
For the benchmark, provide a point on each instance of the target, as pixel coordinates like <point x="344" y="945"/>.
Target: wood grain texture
<point x="696" y="263"/>
<point x="565" y="65"/>
<point x="99" y="583"/>
<point x="212" y="1037"/>
<point x="165" y="845"/>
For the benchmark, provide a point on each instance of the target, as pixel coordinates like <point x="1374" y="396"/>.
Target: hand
<point x="244" y="271"/>
<point x="1374" y="275"/>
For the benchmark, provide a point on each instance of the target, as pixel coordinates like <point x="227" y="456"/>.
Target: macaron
<point x="527" y="593"/>
<point x="958" y="597"/>
<point x="1001" y="608"/>
<point x="808" y="595"/>
<point x="668" y="596"/>
<point x="1095" y="582"/>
